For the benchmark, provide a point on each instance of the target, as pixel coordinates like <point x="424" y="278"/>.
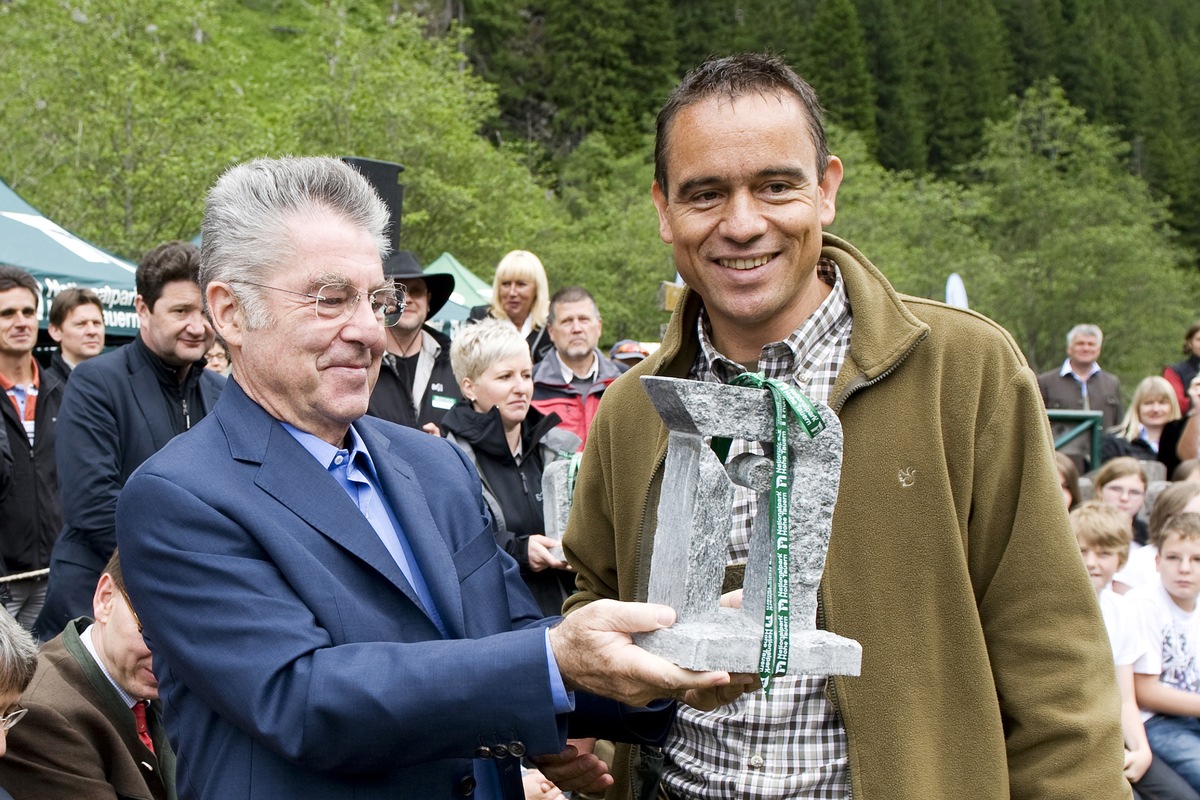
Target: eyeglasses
<point x="337" y="301"/>
<point x="1117" y="491"/>
<point x="8" y="721"/>
<point x="129" y="605"/>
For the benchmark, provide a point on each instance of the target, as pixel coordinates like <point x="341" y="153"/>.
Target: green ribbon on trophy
<point x="773" y="657"/>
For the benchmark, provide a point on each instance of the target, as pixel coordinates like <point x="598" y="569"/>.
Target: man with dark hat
<point x="416" y="385"/>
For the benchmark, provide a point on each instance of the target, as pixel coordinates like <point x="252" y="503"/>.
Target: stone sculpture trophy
<point x="692" y="537"/>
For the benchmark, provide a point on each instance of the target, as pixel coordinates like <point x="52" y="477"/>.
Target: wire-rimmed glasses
<point x="8" y="720"/>
<point x="337" y="301"/>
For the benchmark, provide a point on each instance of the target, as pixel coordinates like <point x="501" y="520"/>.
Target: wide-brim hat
<point x="403" y="264"/>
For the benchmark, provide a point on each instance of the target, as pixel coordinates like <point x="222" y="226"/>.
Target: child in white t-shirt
<point x="1167" y="676"/>
<point x="1103" y="536"/>
<point x="1140" y="569"/>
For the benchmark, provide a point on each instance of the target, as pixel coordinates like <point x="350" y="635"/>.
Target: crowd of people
<point x="334" y="578"/>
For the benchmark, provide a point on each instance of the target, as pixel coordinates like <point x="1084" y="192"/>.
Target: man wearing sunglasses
<point x="329" y="612"/>
<point x="118" y="410"/>
<point x="91" y="725"/>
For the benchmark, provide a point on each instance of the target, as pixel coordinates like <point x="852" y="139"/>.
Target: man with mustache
<point x="119" y="409"/>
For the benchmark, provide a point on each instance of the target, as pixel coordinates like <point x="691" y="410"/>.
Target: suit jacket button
<point x="517" y="749"/>
<point x="499" y="751"/>
<point x="466" y="786"/>
<point x="483" y="751"/>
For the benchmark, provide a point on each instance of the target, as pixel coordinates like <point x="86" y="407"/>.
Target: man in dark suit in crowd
<point x="1080" y="385"/>
<point x="416" y="385"/>
<point x="92" y="729"/>
<point x="77" y="325"/>
<point x="119" y="409"/>
<point x="328" y="609"/>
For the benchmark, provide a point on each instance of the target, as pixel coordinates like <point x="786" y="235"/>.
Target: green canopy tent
<point x="59" y="260"/>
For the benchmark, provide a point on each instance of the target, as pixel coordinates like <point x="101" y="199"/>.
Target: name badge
<point x="442" y="403"/>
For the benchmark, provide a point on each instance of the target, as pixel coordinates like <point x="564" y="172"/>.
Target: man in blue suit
<point x="328" y="610"/>
<point x="118" y="410"/>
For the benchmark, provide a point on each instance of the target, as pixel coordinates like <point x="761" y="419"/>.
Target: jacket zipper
<point x="854" y="387"/>
<point x="187" y="418"/>
<point x="831" y="681"/>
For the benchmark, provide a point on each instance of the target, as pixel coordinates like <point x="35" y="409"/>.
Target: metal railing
<point x="1091" y="423"/>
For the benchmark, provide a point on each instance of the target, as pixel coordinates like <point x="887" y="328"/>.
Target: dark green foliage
<point x="891" y="60"/>
<point x="525" y="123"/>
<point x="838" y="69"/>
<point x="1079" y="238"/>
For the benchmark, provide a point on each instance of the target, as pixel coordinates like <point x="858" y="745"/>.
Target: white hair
<point x="250" y="211"/>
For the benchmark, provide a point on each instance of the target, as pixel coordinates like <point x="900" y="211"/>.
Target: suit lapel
<point x="407" y="501"/>
<point x="294" y="478"/>
<point x="147" y="392"/>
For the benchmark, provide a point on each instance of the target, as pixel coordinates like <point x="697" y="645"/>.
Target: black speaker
<point x="385" y="177"/>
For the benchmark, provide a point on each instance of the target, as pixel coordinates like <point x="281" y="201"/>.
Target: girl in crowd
<point x="1121" y="483"/>
<point x="1068" y="480"/>
<point x="521" y="295"/>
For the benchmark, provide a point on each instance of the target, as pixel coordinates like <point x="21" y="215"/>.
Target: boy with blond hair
<point x="1103" y="537"/>
<point x="1167" y="676"/>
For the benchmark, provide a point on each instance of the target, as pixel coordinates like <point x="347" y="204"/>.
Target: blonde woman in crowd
<point x="521" y="295"/>
<point x="1147" y="432"/>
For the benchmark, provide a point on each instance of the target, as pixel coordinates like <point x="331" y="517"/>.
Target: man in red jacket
<point x="571" y="378"/>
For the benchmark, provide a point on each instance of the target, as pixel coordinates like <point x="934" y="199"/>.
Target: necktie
<point x="139" y="716"/>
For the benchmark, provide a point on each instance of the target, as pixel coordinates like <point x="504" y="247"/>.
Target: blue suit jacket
<point x="112" y="419"/>
<point x="293" y="658"/>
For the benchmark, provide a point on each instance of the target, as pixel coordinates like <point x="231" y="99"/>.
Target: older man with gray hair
<point x="328" y="609"/>
<point x="1080" y="385"/>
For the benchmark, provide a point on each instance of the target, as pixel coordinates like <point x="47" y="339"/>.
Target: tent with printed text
<point x="59" y="260"/>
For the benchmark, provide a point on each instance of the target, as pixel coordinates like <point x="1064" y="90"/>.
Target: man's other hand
<point x="576" y="769"/>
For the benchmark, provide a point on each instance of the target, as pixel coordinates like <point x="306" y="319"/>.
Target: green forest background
<point x="1046" y="150"/>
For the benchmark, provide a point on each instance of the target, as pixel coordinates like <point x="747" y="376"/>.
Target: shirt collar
<point x="569" y="375"/>
<point x="8" y="385"/>
<point x="1066" y="369"/>
<point x="779" y="359"/>
<point x="324" y="452"/>
<point x="86" y="638"/>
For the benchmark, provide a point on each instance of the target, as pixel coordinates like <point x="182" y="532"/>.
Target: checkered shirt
<point x="792" y="745"/>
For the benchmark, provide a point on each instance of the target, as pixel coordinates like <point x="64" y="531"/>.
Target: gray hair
<point x="571" y="294"/>
<point x="247" y="217"/>
<point x="18" y="655"/>
<point x="1085" y="330"/>
<point x="478" y="346"/>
